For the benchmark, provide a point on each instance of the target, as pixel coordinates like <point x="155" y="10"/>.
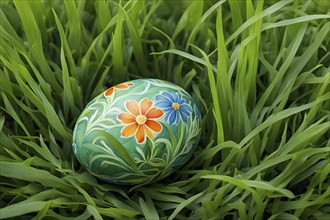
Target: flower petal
<point x="149" y="133"/>
<point x="145" y="105"/>
<point x="129" y="130"/>
<point x="186" y="109"/>
<point x="168" y="114"/>
<point x="160" y="98"/>
<point x="182" y="101"/>
<point x="109" y="91"/>
<point x="121" y="86"/>
<point x="183" y="116"/>
<point x="154" y="125"/>
<point x="177" y="117"/>
<point x="171" y="118"/>
<point x="169" y="96"/>
<point x="164" y="104"/>
<point x="154" y="113"/>
<point x="139" y="135"/>
<point x="133" y="107"/>
<point x="163" y="97"/>
<point x="126" y="118"/>
<point x="176" y="97"/>
<point x="167" y="110"/>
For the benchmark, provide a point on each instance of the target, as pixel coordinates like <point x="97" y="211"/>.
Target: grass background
<point x="259" y="71"/>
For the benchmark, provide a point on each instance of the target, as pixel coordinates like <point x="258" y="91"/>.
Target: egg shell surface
<point x="137" y="132"/>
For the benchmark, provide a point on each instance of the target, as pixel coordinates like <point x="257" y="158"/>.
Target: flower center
<point x="141" y="119"/>
<point x="175" y="105"/>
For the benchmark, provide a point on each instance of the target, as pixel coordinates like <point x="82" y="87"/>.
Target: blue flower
<point x="174" y="106"/>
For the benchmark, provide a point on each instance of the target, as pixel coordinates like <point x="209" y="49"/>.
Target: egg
<point x="137" y="132"/>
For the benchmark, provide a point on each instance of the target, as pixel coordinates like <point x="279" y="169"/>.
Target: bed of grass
<point x="259" y="72"/>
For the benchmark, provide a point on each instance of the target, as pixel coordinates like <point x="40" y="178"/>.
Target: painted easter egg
<point x="137" y="132"/>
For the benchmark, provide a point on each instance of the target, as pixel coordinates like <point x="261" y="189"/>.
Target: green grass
<point x="259" y="71"/>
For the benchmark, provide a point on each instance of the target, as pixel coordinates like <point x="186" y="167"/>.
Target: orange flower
<point x="122" y="86"/>
<point x="140" y="119"/>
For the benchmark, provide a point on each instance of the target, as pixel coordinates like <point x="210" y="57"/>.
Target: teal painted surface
<point x="137" y="132"/>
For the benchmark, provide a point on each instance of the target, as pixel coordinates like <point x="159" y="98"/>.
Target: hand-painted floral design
<point x="122" y="86"/>
<point x="174" y="106"/>
<point x="140" y="120"/>
<point x="153" y="126"/>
